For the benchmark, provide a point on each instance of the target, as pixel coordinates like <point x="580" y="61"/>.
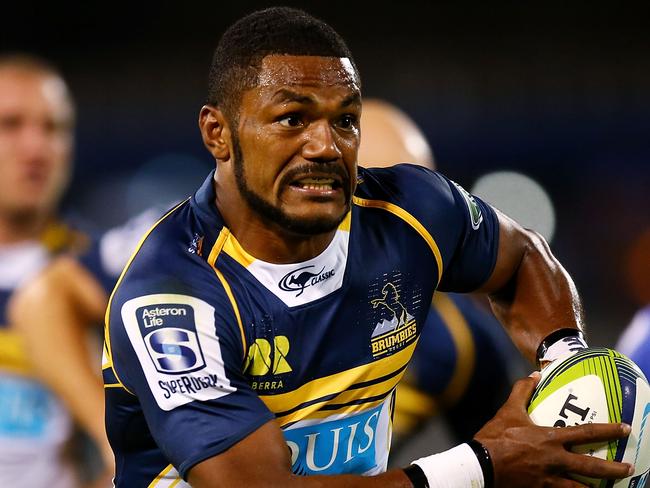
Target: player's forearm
<point x="68" y="368"/>
<point x="54" y="309"/>
<point x="391" y="479"/>
<point x="539" y="298"/>
<point x="263" y="459"/>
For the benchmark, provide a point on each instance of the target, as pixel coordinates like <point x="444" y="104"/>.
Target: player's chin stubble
<point x="275" y="214"/>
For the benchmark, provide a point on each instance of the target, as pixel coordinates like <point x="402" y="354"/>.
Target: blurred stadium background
<point x="559" y="92"/>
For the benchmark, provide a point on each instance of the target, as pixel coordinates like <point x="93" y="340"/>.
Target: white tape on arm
<point x="456" y="468"/>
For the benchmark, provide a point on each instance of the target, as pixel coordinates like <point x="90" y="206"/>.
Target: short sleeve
<point x="474" y="256"/>
<point x="179" y="349"/>
<point x="465" y="229"/>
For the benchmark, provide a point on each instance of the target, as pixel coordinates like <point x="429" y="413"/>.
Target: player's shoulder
<point x="428" y="196"/>
<point x="403" y="182"/>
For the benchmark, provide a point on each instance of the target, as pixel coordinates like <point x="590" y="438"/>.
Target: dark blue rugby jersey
<point x="205" y="343"/>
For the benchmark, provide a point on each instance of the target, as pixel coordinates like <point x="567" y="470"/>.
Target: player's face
<point x="35" y="141"/>
<point x="296" y="147"/>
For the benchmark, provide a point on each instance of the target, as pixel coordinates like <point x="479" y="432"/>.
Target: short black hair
<point x="278" y="30"/>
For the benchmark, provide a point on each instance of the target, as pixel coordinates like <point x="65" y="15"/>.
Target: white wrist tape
<point x="564" y="347"/>
<point x="456" y="468"/>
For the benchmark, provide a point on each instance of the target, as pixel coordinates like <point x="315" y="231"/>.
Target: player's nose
<point x="34" y="143"/>
<point x="320" y="144"/>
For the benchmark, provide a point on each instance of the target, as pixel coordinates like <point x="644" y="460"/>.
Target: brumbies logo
<point x="397" y="327"/>
<point x="301" y="278"/>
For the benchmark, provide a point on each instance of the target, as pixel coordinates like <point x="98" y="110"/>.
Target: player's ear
<point x="215" y="131"/>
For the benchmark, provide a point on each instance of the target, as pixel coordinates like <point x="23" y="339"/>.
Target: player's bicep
<point x="261" y="458"/>
<point x="509" y="254"/>
<point x="514" y="243"/>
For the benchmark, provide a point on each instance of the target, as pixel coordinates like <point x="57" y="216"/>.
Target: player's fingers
<point x="588" y="433"/>
<point x="597" y="468"/>
<point x="523" y="389"/>
<point x="565" y="483"/>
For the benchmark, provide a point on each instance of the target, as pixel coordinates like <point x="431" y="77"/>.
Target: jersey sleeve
<point x="465" y="229"/>
<point x="470" y="261"/>
<point x="179" y="349"/>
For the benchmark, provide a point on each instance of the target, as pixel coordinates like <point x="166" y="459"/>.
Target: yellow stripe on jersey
<point x="348" y="410"/>
<point x="168" y="478"/>
<point x="378" y="379"/>
<point x="410" y="220"/>
<point x="233" y="248"/>
<point x="13" y="356"/>
<point x="212" y="259"/>
<point x="160" y="476"/>
<point x="347" y="223"/>
<point x="465" y="348"/>
<point x="107" y="336"/>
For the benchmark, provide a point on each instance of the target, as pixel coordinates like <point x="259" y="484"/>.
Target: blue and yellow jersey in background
<point x="34" y="425"/>
<point x="462" y="368"/>
<point x="205" y="343"/>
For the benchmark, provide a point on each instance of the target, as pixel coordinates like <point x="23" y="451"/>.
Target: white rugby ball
<point x="599" y="385"/>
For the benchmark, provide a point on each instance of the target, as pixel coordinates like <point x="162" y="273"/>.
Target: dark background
<point x="560" y="92"/>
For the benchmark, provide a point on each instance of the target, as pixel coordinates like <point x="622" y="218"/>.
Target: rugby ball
<point x="599" y="385"/>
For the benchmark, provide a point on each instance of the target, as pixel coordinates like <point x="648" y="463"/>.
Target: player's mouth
<point x="317" y="184"/>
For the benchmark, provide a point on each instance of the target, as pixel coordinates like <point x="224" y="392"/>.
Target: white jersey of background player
<point x="36" y="118"/>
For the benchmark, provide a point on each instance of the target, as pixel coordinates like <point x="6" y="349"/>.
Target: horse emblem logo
<point x="397" y="326"/>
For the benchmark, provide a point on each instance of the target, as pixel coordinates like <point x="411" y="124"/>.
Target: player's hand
<point x="527" y="455"/>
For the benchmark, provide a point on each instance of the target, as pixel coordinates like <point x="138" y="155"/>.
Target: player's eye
<point x="290" y="120"/>
<point x="10" y="123"/>
<point x="347" y="121"/>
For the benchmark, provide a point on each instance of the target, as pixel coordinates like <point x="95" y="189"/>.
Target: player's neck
<point x="275" y="245"/>
<point x="19" y="227"/>
<point x="265" y="241"/>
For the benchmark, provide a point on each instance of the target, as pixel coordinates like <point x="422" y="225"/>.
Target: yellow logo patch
<point x="263" y="358"/>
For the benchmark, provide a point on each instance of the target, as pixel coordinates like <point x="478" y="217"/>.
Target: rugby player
<point x="458" y="334"/>
<point x="635" y="339"/>
<point x="204" y="320"/>
<point x="36" y="139"/>
<point x="464" y="364"/>
<point x="257" y="335"/>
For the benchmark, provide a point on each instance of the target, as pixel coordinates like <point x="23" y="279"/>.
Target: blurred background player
<point x="635" y="339"/>
<point x="36" y="140"/>
<point x="465" y="364"/>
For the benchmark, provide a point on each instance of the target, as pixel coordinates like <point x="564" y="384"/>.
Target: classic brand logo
<point x="301" y="278"/>
<point x="397" y="327"/>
